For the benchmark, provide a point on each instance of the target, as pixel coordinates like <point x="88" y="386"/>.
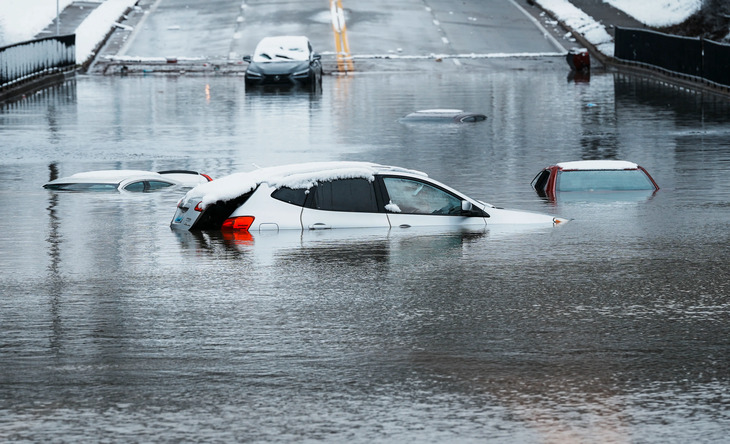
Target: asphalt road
<point x="220" y="32"/>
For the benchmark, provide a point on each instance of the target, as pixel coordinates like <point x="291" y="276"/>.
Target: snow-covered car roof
<point x="282" y="48"/>
<point x="598" y="165"/>
<point x="297" y="176"/>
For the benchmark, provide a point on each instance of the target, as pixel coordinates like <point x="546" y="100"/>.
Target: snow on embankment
<point x="22" y="20"/>
<point x="658" y="13"/>
<point x="580" y="22"/>
<point x="95" y="28"/>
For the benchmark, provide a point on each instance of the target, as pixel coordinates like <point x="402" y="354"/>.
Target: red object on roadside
<point x="579" y="59"/>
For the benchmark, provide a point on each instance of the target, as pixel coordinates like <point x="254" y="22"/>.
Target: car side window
<point x="354" y="195"/>
<point x="157" y="185"/>
<point x="412" y="196"/>
<point x="290" y="195"/>
<point x="137" y="187"/>
<point x="541" y="180"/>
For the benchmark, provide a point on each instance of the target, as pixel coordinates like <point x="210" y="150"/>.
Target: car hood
<point x="274" y="68"/>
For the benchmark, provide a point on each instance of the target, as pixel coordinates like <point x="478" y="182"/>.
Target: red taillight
<point x="198" y="207"/>
<point x="238" y="223"/>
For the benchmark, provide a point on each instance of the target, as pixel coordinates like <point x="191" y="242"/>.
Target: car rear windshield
<point x="603" y="180"/>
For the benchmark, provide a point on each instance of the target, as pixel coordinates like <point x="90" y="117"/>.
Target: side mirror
<point x="467" y="209"/>
<point x="247" y="58"/>
<point x="316" y="56"/>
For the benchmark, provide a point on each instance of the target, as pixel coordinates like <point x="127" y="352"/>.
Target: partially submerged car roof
<point x="597" y="165"/>
<point x="105" y="176"/>
<point x="117" y="176"/>
<point x="443" y="115"/>
<point x="303" y="175"/>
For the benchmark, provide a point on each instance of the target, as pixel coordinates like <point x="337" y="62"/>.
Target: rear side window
<point x="541" y="180"/>
<point x="137" y="187"/>
<point x="158" y="184"/>
<point x="354" y="195"/>
<point x="147" y="185"/>
<point x="292" y="196"/>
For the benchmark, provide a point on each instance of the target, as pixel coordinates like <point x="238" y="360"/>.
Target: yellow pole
<point x="345" y="44"/>
<point x="344" y="59"/>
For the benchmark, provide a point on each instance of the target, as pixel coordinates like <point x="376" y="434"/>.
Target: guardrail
<point x="697" y="58"/>
<point x="30" y="60"/>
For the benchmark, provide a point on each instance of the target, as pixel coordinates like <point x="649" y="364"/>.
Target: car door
<point x="414" y="202"/>
<point x="343" y="203"/>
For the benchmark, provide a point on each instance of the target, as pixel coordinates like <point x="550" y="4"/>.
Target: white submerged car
<point x="127" y="180"/>
<point x="326" y="195"/>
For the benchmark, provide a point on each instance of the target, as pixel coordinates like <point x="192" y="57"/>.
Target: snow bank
<point x="97" y="25"/>
<point x="650" y="12"/>
<point x="581" y="22"/>
<point x="658" y="13"/>
<point x="22" y="20"/>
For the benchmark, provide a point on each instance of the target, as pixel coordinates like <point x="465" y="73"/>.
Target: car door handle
<point x="319" y="226"/>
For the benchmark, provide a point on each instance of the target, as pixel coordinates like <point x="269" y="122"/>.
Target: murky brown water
<point x="612" y="328"/>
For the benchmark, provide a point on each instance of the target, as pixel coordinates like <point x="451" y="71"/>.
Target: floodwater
<point x="612" y="328"/>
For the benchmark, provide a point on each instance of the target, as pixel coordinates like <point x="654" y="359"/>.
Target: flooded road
<point x="611" y="328"/>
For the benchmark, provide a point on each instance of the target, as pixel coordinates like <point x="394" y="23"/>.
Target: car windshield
<point x="280" y="51"/>
<point x="603" y="180"/>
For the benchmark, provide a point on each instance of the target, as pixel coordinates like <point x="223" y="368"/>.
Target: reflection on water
<point x="610" y="328"/>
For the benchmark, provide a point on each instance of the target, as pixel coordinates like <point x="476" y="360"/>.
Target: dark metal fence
<point x="695" y="57"/>
<point x="35" y="58"/>
<point x="716" y="62"/>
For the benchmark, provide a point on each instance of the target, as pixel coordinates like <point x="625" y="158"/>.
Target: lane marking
<point x="133" y="35"/>
<point x="545" y="32"/>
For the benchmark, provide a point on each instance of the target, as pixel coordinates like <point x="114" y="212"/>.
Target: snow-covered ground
<point x="658" y="13"/>
<point x="649" y="12"/>
<point x="22" y="20"/>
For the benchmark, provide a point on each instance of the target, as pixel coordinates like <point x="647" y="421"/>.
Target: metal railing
<point x="36" y="58"/>
<point x="696" y="58"/>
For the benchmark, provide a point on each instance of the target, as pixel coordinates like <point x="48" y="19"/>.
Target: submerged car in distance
<point x="284" y="60"/>
<point x="127" y="180"/>
<point x="593" y="176"/>
<point x="326" y="195"/>
<point x="443" y="116"/>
